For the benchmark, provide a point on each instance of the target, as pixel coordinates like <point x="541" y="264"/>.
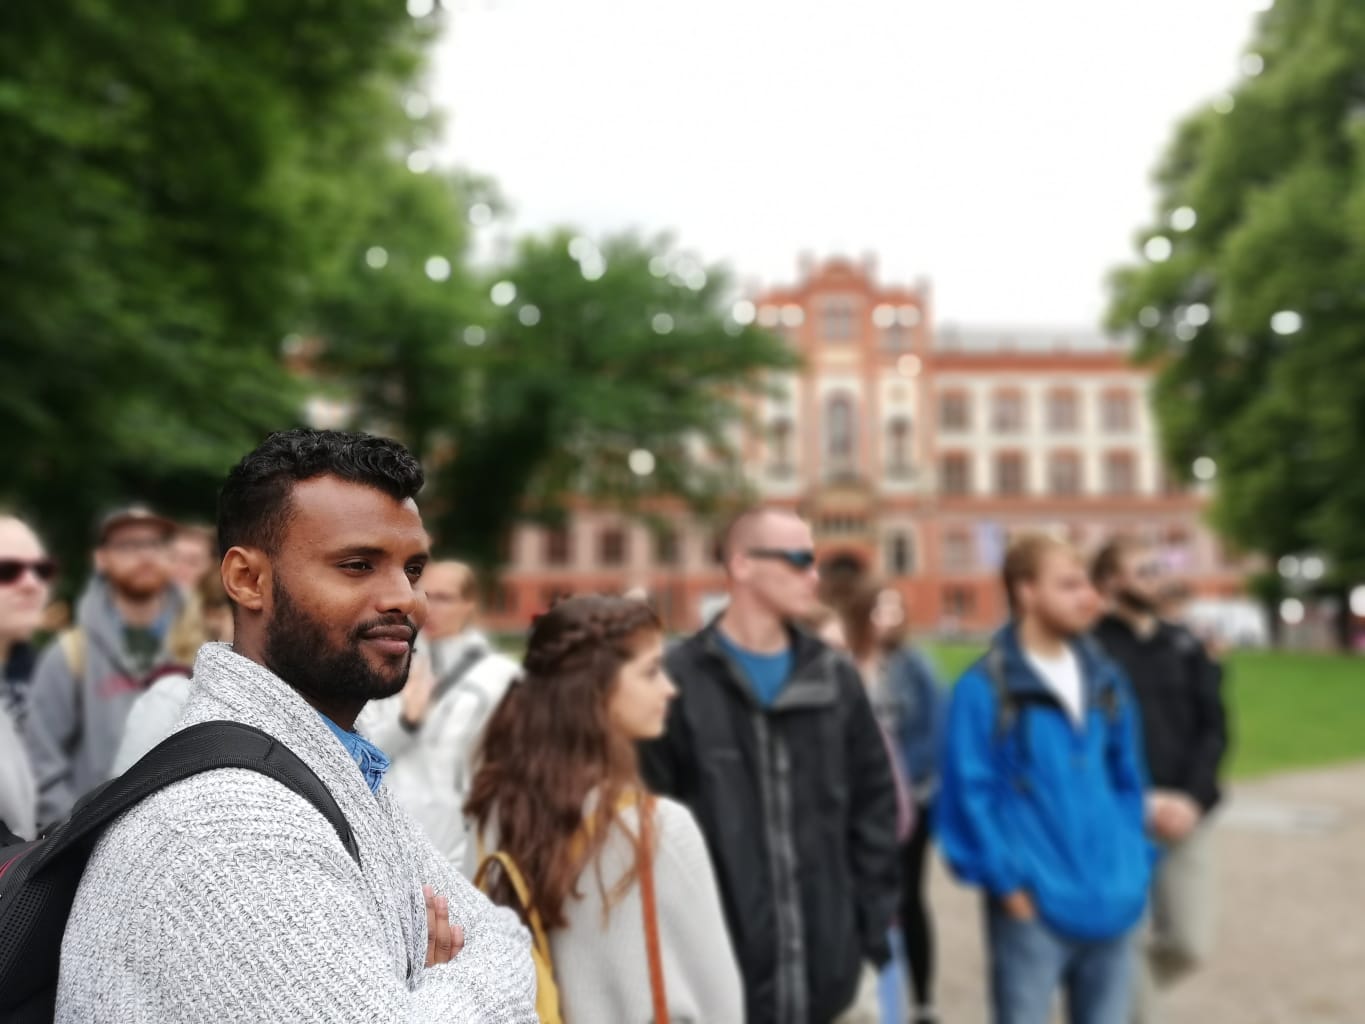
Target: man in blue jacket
<point x="1042" y="798"/>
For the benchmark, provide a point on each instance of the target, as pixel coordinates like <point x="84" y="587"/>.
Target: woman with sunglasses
<point x="26" y="574"/>
<point x="910" y="706"/>
<point x="558" y="791"/>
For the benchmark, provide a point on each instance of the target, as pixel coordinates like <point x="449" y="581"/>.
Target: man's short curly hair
<point x="255" y="504"/>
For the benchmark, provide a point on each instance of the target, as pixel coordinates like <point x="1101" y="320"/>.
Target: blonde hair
<point x="1024" y="558"/>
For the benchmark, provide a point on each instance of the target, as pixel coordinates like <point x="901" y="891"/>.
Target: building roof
<point x="1005" y="339"/>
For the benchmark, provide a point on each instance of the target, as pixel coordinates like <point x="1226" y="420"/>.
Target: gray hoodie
<point x="73" y="726"/>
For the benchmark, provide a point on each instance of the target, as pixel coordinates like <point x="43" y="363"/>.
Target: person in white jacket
<point x="430" y="730"/>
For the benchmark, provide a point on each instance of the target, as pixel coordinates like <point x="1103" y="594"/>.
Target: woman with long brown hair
<point x="910" y="705"/>
<point x="557" y="789"/>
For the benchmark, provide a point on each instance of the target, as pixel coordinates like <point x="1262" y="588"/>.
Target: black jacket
<point x="1179" y="692"/>
<point x="798" y="806"/>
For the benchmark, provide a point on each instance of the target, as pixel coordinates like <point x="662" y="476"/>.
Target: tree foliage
<point x="168" y="197"/>
<point x="572" y="357"/>
<point x="191" y="191"/>
<point x="1256" y="320"/>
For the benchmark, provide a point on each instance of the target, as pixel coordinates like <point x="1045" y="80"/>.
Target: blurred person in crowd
<point x="1042" y="799"/>
<point x="26" y="574"/>
<point x="1184" y="727"/>
<point x="89" y="677"/>
<point x="910" y="705"/>
<point x="772" y="730"/>
<point x="827" y="626"/>
<point x="226" y="897"/>
<point x="431" y="729"/>
<point x="153" y="715"/>
<point x="558" y="790"/>
<point x="193" y="555"/>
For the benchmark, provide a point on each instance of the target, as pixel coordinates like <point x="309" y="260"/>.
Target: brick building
<point x="914" y="451"/>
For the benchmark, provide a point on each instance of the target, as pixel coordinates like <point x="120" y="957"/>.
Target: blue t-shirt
<point x="766" y="673"/>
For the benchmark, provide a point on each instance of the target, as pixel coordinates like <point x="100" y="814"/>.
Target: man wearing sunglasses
<point x="1184" y="726"/>
<point x="772" y="744"/>
<point x="86" y="681"/>
<point x="25" y="575"/>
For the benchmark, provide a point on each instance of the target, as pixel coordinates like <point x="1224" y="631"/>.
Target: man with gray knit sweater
<point x="227" y="897"/>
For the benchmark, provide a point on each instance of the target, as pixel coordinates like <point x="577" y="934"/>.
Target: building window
<point x="957" y="551"/>
<point x="842" y="526"/>
<point x="780" y="448"/>
<point x="1063" y="411"/>
<point x="503" y="600"/>
<point x="838" y="320"/>
<point x="955" y="471"/>
<point x="840" y="437"/>
<point x="666" y="547"/>
<point x="612" y="546"/>
<point x="896" y="338"/>
<point x="898" y="448"/>
<point x="1064" y="473"/>
<point x="1007" y="412"/>
<point x="954" y="411"/>
<point x="959" y="602"/>
<point x="1120" y="473"/>
<point x="1116" y="412"/>
<point x="558" y="548"/>
<point x="1009" y="474"/>
<point x="900" y="554"/>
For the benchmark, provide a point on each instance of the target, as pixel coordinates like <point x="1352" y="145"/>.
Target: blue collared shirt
<point x="371" y="761"/>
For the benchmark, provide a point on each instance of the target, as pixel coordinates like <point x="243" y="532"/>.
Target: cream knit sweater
<point x="601" y="965"/>
<point x="227" y="898"/>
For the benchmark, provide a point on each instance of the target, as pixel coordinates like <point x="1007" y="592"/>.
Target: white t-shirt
<point x="1062" y="675"/>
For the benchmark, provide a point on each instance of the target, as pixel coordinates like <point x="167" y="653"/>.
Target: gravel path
<point x="1291" y="894"/>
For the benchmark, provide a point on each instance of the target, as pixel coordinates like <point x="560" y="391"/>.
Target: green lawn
<point x="1288" y="710"/>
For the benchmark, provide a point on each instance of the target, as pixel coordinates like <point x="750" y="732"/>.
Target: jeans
<point x="1030" y="962"/>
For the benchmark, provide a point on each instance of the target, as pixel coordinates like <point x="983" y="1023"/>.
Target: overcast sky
<point x="1002" y="149"/>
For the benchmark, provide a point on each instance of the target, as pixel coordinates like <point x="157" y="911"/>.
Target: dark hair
<point x="1109" y="559"/>
<point x="856" y="610"/>
<point x="254" y="505"/>
<point x="550" y="744"/>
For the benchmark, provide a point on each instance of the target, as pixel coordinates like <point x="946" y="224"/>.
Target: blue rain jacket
<point x="1032" y="801"/>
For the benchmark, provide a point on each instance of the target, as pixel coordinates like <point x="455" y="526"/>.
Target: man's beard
<point x="134" y="592"/>
<point x="1136" y="602"/>
<point x="297" y="650"/>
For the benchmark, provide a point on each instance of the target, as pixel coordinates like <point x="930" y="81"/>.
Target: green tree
<point x="576" y="356"/>
<point x="1250" y="300"/>
<point x="175" y="183"/>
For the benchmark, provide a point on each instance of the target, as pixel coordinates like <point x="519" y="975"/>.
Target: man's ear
<point x="246" y="577"/>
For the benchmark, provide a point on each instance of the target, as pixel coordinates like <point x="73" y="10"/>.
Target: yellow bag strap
<point x="518" y="882"/>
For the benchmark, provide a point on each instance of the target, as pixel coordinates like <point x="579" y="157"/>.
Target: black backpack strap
<point x="456" y="673"/>
<point x="199" y="748"/>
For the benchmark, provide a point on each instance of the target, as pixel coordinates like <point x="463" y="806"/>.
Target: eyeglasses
<point x="13" y="569"/>
<point x="798" y="558"/>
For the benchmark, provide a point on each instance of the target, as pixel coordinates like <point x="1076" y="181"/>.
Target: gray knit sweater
<point x="228" y="898"/>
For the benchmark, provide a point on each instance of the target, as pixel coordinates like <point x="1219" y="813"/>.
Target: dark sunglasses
<point x="797" y="558"/>
<point x="11" y="569"/>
